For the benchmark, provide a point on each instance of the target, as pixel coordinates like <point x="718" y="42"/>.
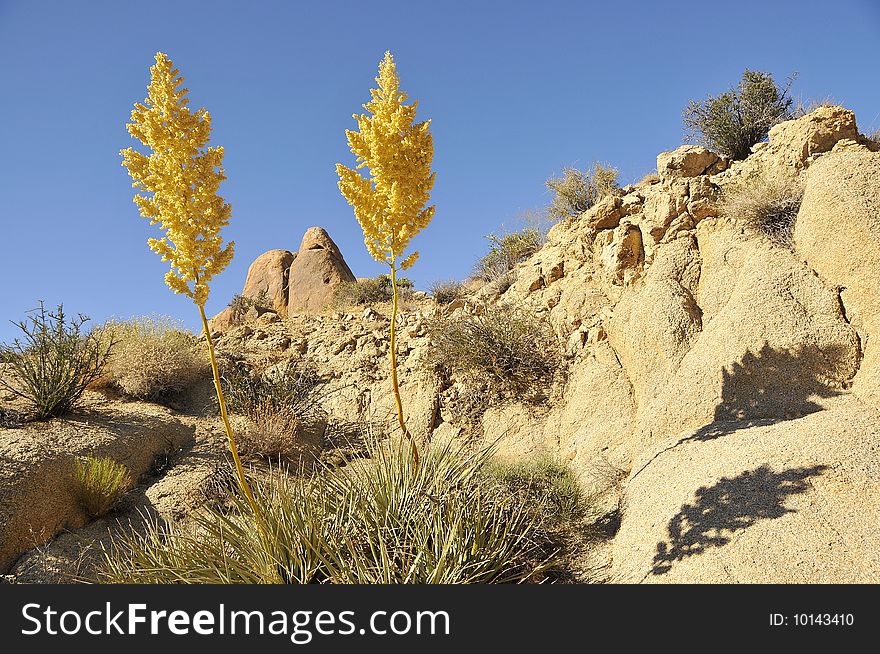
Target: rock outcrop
<point x="732" y="378"/>
<point x="316" y="272"/>
<point x="835" y="232"/>
<point x="268" y="279"/>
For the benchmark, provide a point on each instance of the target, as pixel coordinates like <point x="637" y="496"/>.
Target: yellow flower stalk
<point x="179" y="180"/>
<point x="390" y="203"/>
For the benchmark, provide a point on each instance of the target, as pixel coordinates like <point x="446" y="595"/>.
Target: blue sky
<point x="516" y="90"/>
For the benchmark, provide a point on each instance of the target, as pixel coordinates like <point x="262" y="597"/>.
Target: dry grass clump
<point x="281" y="404"/>
<point x="384" y="521"/>
<point x="371" y="291"/>
<point x="154" y="358"/>
<point x="576" y="191"/>
<point x="448" y="291"/>
<point x="100" y="483"/>
<point x="53" y="363"/>
<point x="505" y="346"/>
<point x="768" y="204"/>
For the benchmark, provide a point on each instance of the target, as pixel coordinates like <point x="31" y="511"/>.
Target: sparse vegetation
<point x="383" y="522"/>
<point x="372" y="291"/>
<point x="54" y="362"/>
<point x="100" y="483"/>
<point x="543" y="484"/>
<point x="507" y="250"/>
<point x="769" y="204"/>
<point x="153" y="359"/>
<point x="280" y="404"/>
<point x="241" y="304"/>
<point x="445" y="292"/>
<point x="515" y="352"/>
<point x="576" y="191"/>
<point x="732" y="122"/>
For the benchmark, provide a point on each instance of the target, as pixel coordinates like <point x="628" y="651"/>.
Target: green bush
<point x="100" y="483"/>
<point x="445" y="292"/>
<point x="507" y="250"/>
<point x="770" y="205"/>
<point x="371" y="291"/>
<point x="153" y="358"/>
<point x="731" y="123"/>
<point x="279" y="403"/>
<point x="577" y="191"/>
<point x="379" y="522"/>
<point x="545" y="485"/>
<point x="55" y="362"/>
<point x="506" y="347"/>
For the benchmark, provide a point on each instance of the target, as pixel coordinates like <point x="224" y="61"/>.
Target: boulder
<point x="316" y="272"/>
<point x="795" y="141"/>
<point x="835" y="232"/>
<point x="794" y="501"/>
<point x="267" y="279"/>
<point x="688" y="161"/>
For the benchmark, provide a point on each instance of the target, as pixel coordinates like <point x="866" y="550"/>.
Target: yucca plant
<point x="384" y="521"/>
<point x="390" y="204"/>
<point x="180" y="178"/>
<point x="100" y="483"/>
<point x="54" y="362"/>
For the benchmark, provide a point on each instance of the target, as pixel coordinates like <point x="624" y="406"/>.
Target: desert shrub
<point x="768" y="204"/>
<point x="153" y="359"/>
<point x="100" y="483"/>
<point x="448" y="291"/>
<point x="54" y="362"/>
<point x="280" y="404"/>
<point x="385" y="521"/>
<point x="732" y="122"/>
<point x="507" y="250"/>
<point x="371" y="291"/>
<point x="576" y="191"/>
<point x="545" y="485"/>
<point x="241" y="304"/>
<point x="510" y="349"/>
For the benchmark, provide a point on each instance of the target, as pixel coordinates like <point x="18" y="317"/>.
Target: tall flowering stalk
<point x="390" y="203"/>
<point x="179" y="179"/>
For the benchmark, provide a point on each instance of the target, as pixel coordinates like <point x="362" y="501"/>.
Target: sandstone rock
<point x="316" y="272"/>
<point x="794" y="141"/>
<point x="623" y="253"/>
<point x="268" y="277"/>
<point x="605" y="214"/>
<point x="773" y="341"/>
<point x="795" y="144"/>
<point x="688" y="161"/>
<point x="591" y="424"/>
<point x="224" y="321"/>
<point x="836" y="230"/>
<point x="793" y="501"/>
<point x="38" y="496"/>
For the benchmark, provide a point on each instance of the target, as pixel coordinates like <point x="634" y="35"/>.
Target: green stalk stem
<point x="394" y="384"/>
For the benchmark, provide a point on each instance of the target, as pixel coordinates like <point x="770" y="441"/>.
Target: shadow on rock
<point x="770" y="386"/>
<point x="731" y="505"/>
